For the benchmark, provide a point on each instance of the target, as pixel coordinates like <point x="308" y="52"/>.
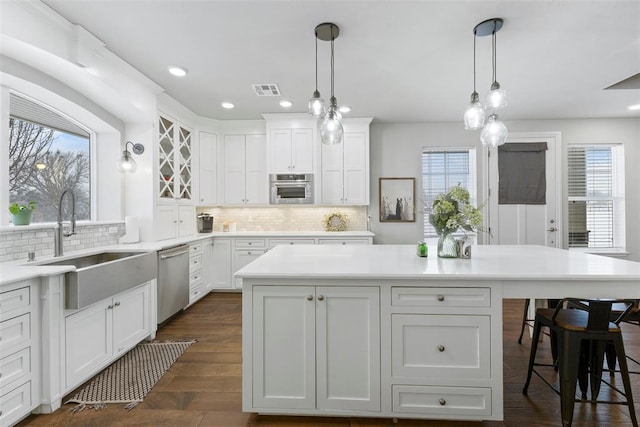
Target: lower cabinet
<point x="303" y="355"/>
<point x="99" y="334"/>
<point x="222" y="263"/>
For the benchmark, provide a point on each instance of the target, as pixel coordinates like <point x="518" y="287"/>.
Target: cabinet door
<point x="166" y="156"/>
<point x="89" y="342"/>
<point x="186" y="221"/>
<point x="234" y="169"/>
<point x="256" y="184"/>
<point x="348" y="348"/>
<point x="280" y="151"/>
<point x="222" y="263"/>
<point x="167" y="221"/>
<point x="302" y="150"/>
<point x="355" y="169"/>
<point x="284" y="347"/>
<point x="183" y="163"/>
<point x="207" y="176"/>
<point x="131" y="315"/>
<point x="242" y="257"/>
<point x="332" y="174"/>
<point x="207" y="266"/>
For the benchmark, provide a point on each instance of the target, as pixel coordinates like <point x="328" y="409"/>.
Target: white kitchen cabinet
<point x="245" y="174"/>
<point x="344" y="241"/>
<point x="102" y="332"/>
<point x="222" y="263"/>
<point x="291" y="241"/>
<point x="174" y="221"/>
<point x="303" y="356"/>
<point x="345" y="171"/>
<point x="207" y="266"/>
<point x="291" y="151"/>
<point x="208" y="169"/>
<point x="245" y="251"/>
<point x="196" y="271"/>
<point x="19" y="350"/>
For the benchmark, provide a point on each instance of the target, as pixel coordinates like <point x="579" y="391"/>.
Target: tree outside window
<point x="43" y="162"/>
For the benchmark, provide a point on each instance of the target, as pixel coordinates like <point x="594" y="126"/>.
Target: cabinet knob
<point x="117" y="304"/>
<point x="320" y="297"/>
<point x="110" y="307"/>
<point x="442" y="402"/>
<point x="248" y="253"/>
<point x="440" y="298"/>
<point x="309" y="297"/>
<point x="440" y="348"/>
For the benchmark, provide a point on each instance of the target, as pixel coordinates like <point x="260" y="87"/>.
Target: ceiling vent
<point x="267" y="89"/>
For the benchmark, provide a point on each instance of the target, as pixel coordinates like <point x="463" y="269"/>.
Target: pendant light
<point x="494" y="133"/>
<point x="331" y="129"/>
<point x="316" y="103"/>
<point x="497" y="98"/>
<point x="474" y="114"/>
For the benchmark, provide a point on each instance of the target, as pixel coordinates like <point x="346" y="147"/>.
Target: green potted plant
<point x="21" y="213"/>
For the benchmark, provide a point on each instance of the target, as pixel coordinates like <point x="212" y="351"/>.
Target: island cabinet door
<point x="284" y="347"/>
<point x="348" y="348"/>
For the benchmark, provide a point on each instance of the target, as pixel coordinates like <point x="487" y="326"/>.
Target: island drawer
<point x="15" y="403"/>
<point x="275" y="242"/>
<point x="15" y="366"/>
<point x="15" y="334"/>
<point x="440" y="297"/>
<point x="452" y="401"/>
<point x="440" y="346"/>
<point x="250" y="243"/>
<point x="14" y="300"/>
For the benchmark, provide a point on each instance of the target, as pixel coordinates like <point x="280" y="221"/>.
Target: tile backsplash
<point x="16" y="243"/>
<point x="285" y="218"/>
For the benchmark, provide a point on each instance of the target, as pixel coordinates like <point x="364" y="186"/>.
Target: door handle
<point x="552" y="229"/>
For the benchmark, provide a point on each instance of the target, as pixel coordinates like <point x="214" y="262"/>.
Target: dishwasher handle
<point x="181" y="250"/>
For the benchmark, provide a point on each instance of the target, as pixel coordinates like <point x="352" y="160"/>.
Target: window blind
<point x="441" y="170"/>
<point x="29" y="111"/>
<point x="591" y="198"/>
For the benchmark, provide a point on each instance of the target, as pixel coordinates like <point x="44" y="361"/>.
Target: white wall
<point x="396" y="152"/>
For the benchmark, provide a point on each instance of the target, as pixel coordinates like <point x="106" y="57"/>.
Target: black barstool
<point x="582" y="336"/>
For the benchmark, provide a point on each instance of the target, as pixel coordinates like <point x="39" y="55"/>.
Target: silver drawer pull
<point x="442" y="402"/>
<point x="320" y="297"/>
<point x="309" y="297"/>
<point x="440" y="297"/>
<point x="440" y="348"/>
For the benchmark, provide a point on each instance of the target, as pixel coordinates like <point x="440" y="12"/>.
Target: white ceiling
<point x="396" y="61"/>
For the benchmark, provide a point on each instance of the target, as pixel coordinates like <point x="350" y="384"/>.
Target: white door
<point x="527" y="224"/>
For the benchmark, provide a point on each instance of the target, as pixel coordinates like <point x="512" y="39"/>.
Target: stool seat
<point x="572" y="320"/>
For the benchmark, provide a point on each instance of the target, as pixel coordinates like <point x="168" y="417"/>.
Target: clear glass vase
<point x="448" y="246"/>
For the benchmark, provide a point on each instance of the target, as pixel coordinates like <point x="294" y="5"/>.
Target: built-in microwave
<point x="291" y="189"/>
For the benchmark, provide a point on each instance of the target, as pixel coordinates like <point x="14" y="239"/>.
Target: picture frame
<point x="396" y="201"/>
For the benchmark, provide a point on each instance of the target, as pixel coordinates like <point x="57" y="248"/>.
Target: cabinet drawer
<point x="15" y="334"/>
<point x="343" y="241"/>
<point x="441" y="297"/>
<point x="440" y="346"/>
<point x="195" y="293"/>
<point x="15" y="404"/>
<point x="195" y="278"/>
<point x="250" y="243"/>
<point x="15" y="299"/>
<point x="242" y="253"/>
<point x="15" y="366"/>
<point x="441" y="400"/>
<point x="196" y="248"/>
<point x="195" y="263"/>
<point x="275" y="242"/>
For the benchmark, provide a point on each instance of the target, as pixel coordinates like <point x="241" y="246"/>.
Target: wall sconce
<point x="126" y="163"/>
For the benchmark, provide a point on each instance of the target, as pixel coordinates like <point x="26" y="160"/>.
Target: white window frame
<point x="617" y="197"/>
<point x="428" y="230"/>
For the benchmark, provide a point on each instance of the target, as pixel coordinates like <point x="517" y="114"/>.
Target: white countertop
<point x="503" y="262"/>
<point x="292" y="234"/>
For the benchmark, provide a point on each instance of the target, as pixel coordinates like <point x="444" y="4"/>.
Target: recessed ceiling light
<point x="634" y="107"/>
<point x="344" y="109"/>
<point x="227" y="105"/>
<point x="178" y="71"/>
<point x="285" y="104"/>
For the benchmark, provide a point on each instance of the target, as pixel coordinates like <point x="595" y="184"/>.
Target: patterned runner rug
<point x="129" y="379"/>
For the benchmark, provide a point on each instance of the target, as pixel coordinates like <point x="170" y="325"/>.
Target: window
<point x="47" y="154"/>
<point x="443" y="169"/>
<point x="595" y="196"/>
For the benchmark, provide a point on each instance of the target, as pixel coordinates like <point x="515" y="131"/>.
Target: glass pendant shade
<point x="474" y="114"/>
<point x="126" y="163"/>
<point x="331" y="130"/>
<point x="497" y="98"/>
<point x="494" y="133"/>
<point x="317" y="107"/>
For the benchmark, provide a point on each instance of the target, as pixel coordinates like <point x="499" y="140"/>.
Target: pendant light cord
<point x="474" y="62"/>
<point x="316" y="61"/>
<point x="332" y="38"/>
<point x="493" y="56"/>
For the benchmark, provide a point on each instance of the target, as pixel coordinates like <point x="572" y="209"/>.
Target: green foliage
<point x="452" y="211"/>
<point x="15" y="208"/>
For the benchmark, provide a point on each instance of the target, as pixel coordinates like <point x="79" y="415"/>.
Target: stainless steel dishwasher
<point x="173" y="281"/>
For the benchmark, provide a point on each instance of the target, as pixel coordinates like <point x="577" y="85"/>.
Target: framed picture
<point x="397" y="199"/>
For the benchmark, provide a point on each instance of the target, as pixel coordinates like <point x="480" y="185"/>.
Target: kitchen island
<point x="376" y="331"/>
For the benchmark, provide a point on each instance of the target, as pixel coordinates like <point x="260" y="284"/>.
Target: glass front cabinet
<point x="175" y="150"/>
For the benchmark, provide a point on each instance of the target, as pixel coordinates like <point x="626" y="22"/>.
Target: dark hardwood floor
<point x="204" y="388"/>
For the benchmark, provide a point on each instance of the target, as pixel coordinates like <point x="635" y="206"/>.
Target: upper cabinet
<point x="174" y="160"/>
<point x="291" y="151"/>
<point x="245" y="175"/>
<point x="208" y="170"/>
<point x="345" y="167"/>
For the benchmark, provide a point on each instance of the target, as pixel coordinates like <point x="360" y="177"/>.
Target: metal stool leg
<point x="524" y="319"/>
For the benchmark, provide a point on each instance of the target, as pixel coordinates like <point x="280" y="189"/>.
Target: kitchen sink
<point x="102" y="275"/>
